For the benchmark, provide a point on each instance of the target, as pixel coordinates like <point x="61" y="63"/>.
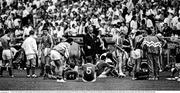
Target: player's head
<point x="45" y="32"/>
<point x="72" y="65"/>
<point x="103" y="57"/>
<point x="109" y="55"/>
<point x="69" y="40"/>
<point x="89" y="59"/>
<point x="31" y="32"/>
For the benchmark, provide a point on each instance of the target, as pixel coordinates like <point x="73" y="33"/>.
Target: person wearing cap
<point x="151" y="45"/>
<point x="30" y="48"/>
<point x="59" y="54"/>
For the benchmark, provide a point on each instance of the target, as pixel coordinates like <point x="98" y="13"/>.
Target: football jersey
<point x="88" y="72"/>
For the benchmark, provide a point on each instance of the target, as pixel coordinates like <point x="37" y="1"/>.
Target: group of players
<point x="55" y="60"/>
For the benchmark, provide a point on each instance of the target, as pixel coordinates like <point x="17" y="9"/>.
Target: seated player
<point x="88" y="71"/>
<point x="104" y="67"/>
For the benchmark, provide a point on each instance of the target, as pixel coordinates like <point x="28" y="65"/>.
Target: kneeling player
<point x="58" y="60"/>
<point x="104" y="68"/>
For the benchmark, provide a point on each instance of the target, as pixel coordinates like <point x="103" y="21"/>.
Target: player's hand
<point x="89" y="47"/>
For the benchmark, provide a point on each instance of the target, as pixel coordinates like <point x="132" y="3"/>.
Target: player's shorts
<point x="31" y="62"/>
<point x="70" y="75"/>
<point x="7" y="54"/>
<point x="1" y="64"/>
<point x="31" y="56"/>
<point x="55" y="55"/>
<point x="46" y="51"/>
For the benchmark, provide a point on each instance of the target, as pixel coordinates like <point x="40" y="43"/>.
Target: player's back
<point x="89" y="72"/>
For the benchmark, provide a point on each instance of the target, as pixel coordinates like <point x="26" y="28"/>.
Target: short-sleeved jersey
<point x="46" y="41"/>
<point x="100" y="67"/>
<point x="88" y="72"/>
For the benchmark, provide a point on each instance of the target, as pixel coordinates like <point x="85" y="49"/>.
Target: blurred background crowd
<point x="72" y="17"/>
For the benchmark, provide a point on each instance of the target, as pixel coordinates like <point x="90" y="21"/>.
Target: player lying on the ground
<point x="70" y="72"/>
<point x="88" y="71"/>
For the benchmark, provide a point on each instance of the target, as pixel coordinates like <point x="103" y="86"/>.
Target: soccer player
<point x="70" y="73"/>
<point x="59" y="54"/>
<point x="89" y="73"/>
<point x="30" y="48"/>
<point x="105" y="66"/>
<point x="46" y="45"/>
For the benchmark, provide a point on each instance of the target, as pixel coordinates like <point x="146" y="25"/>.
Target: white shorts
<point x="30" y="56"/>
<point x="55" y="55"/>
<point x="7" y="54"/>
<point x="1" y="64"/>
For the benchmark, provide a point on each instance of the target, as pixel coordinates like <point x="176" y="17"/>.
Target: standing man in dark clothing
<point x="167" y="31"/>
<point x="89" y="44"/>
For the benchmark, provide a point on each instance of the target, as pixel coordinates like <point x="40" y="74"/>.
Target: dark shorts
<point x="1" y="50"/>
<point x="70" y="75"/>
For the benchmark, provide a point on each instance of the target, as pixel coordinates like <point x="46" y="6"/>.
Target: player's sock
<point x="48" y="69"/>
<point x="10" y="71"/>
<point x="42" y="70"/>
<point x="33" y="70"/>
<point x="1" y="71"/>
<point x="28" y="71"/>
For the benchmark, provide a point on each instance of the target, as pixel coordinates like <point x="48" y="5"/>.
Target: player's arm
<point x="34" y="46"/>
<point x="96" y="68"/>
<point x="109" y="66"/>
<point x="52" y="43"/>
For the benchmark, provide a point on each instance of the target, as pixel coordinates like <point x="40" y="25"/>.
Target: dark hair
<point x="72" y="65"/>
<point x="103" y="57"/>
<point x="179" y="19"/>
<point x="89" y="59"/>
<point x="7" y="31"/>
<point x="31" y="32"/>
<point x="109" y="55"/>
<point x="69" y="40"/>
<point x="143" y="21"/>
<point x="149" y="32"/>
<point x="138" y="33"/>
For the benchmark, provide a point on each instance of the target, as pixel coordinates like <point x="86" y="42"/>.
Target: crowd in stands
<point x="62" y="17"/>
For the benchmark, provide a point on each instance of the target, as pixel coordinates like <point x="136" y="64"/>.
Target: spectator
<point x="124" y="28"/>
<point x="167" y="31"/>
